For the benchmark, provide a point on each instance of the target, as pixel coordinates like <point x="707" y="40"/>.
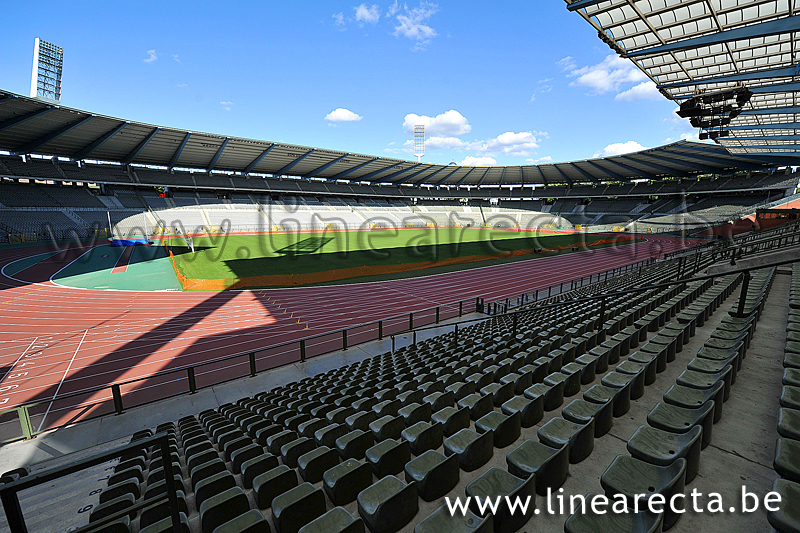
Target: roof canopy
<point x="712" y="45"/>
<point x="33" y="126"/>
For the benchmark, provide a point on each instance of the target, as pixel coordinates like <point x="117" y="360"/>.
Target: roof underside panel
<point x="29" y="125"/>
<point x="691" y="46"/>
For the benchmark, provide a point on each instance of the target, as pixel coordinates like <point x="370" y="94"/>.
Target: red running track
<point x="57" y="340"/>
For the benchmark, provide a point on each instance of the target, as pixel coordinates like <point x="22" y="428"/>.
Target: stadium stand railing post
<point x="344" y="339"/>
<point x="380" y="331"/>
<point x="410" y="321"/>
<point x="252" y="357"/>
<point x="302" y="350"/>
<point x="602" y="319"/>
<point x="392" y="344"/>
<point x="192" y="381"/>
<point x="115" y="392"/>
<point x="455" y="335"/>
<point x="743" y="297"/>
<point x="437" y="314"/>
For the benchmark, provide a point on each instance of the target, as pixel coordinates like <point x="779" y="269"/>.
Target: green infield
<point x="295" y="258"/>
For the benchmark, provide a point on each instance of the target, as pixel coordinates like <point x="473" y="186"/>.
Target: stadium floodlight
<point x="48" y="65"/>
<point x="419" y="141"/>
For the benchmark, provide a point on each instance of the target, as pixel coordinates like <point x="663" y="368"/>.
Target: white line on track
<point x="11" y="368"/>
<point x="62" y="380"/>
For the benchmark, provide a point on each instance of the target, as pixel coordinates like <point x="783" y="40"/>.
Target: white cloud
<point x="567" y="63"/>
<point x="448" y="124"/>
<point x="412" y="24"/>
<point x="619" y="149"/>
<point x="367" y="14"/>
<point x="183" y="85"/>
<point x="509" y="143"/>
<point x="338" y="19"/>
<point x="342" y="115"/>
<point x="605" y="76"/>
<point x="151" y="56"/>
<point x="394" y="8"/>
<point x="644" y="91"/>
<point x="175" y="57"/>
<point x="472" y="161"/>
<point x="226" y="105"/>
<point x="545" y="159"/>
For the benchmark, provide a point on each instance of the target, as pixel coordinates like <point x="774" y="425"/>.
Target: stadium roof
<point x="712" y="45"/>
<point x="33" y="126"/>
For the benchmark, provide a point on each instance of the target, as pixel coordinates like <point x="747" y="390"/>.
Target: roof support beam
<point x="541" y="176"/>
<point x="44" y="139"/>
<point x="344" y="173"/>
<point x="726" y="156"/>
<point x="24" y="118"/>
<point x="503" y="175"/>
<point x="582" y="4"/>
<point x="611" y="173"/>
<point x="764" y="138"/>
<point x="674" y="159"/>
<point x="666" y="170"/>
<point x="584" y="173"/>
<point x="761" y="29"/>
<point x="781" y="72"/>
<point x="415" y="174"/>
<point x="462" y="180"/>
<point x="766" y="147"/>
<point x="249" y="168"/>
<point x="398" y="173"/>
<point x="374" y="173"/>
<point x="566" y="179"/>
<point x="214" y="160"/>
<point x="177" y="153"/>
<point x="139" y="147"/>
<point x="641" y="173"/>
<point x="97" y="143"/>
<point x="772" y="110"/>
<point x="480" y="182"/>
<point x="521" y="177"/>
<point x="776" y="126"/>
<point x="734" y="162"/>
<point x="288" y="167"/>
<point x="428" y="177"/>
<point x="323" y="168"/>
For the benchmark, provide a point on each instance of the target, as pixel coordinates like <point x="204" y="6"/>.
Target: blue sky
<point x="504" y="83"/>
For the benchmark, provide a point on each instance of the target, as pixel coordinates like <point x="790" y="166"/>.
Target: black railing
<point x="9" y="493"/>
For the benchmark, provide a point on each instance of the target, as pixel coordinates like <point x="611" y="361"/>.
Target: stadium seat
<point x="619" y="398"/>
<point x="337" y="520"/>
<point x="661" y="448"/>
<point x="473" y="450"/>
<point x="255" y="466"/>
<point x="787" y="518"/>
<point x="354" y="445"/>
<point x="531" y="410"/>
<point x="676" y="419"/>
<point x="313" y="464"/>
<point x="222" y="508"/>
<point x="478" y="404"/>
<point x="452" y="419"/>
<point x="558" y="432"/>
<point x="787" y="459"/>
<point x="388" y="505"/>
<point x="440" y="521"/>
<point x="294" y="449"/>
<point x="423" y="436"/>
<point x="505" y="428"/>
<point x="497" y="482"/>
<point x="586" y="520"/>
<point x="343" y="482"/>
<point x="297" y="507"/>
<point x="434" y="474"/>
<point x="690" y="398"/>
<point x="272" y="483"/>
<point x="582" y="412"/>
<point x="388" y="457"/>
<point x="553" y="395"/>
<point x="550" y="466"/>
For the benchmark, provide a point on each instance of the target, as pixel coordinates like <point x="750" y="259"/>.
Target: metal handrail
<point x="9" y="493"/>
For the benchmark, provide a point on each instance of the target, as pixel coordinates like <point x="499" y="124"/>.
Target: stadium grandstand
<point x="620" y="328"/>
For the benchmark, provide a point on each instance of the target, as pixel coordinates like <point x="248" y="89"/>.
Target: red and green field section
<point x="291" y="259"/>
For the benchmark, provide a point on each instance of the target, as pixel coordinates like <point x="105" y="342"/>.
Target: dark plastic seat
<point x="519" y="381"/>
<point x="789" y="423"/>
<point x="388" y="457"/>
<point x="165" y="525"/>
<point x="212" y="485"/>
<point x="440" y="521"/>
<point x="661" y="448"/>
<point x="690" y="398"/>
<point x="255" y="466"/>
<point x="633" y="382"/>
<point x="314" y="463"/>
<point x="631" y="477"/>
<point x="415" y="412"/>
<point x="222" y="508"/>
<point x="387" y="427"/>
<point x="275" y="442"/>
<point x="110" y="507"/>
<point x="505" y="428"/>
<point x="388" y="505"/>
<point x="585" y="520"/>
<point x="553" y="395"/>
<point x="680" y="419"/>
<point x="434" y="474"/>
<point x="787" y="459"/>
<point x="361" y="420"/>
<point x="297" y="507"/>
<point x="705" y="381"/>
<point x="550" y="466"/>
<point x="439" y="400"/>
<point x="343" y="482"/>
<point x="250" y="522"/>
<point x="461" y="389"/>
<point x="790" y="397"/>
<point x="497" y="482"/>
<point x="531" y="410"/>
<point x="327" y="435"/>
<point x="558" y="432"/>
<point x="354" y="445"/>
<point x="478" y="404"/>
<point x="272" y="483"/>
<point x="619" y="398"/>
<point x="337" y="520"/>
<point x="423" y="436"/>
<point x="452" y="419"/>
<point x="473" y="450"/>
<point x="294" y="449"/>
<point x="787" y="518"/>
<point x="582" y="412"/>
<point x="499" y="392"/>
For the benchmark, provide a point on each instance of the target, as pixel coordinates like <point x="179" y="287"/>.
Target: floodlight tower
<point x="48" y="65"/>
<point x="419" y="141"/>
